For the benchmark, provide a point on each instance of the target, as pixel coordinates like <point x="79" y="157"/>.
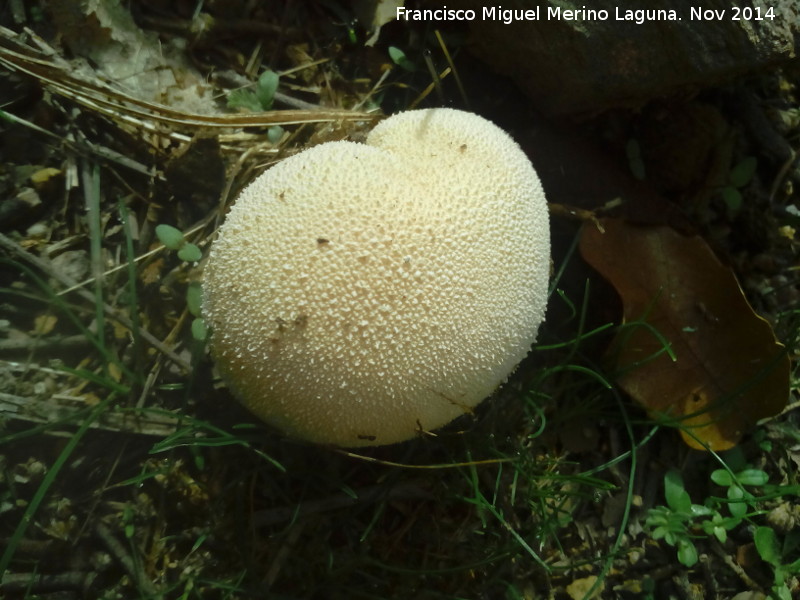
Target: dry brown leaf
<point x="120" y="331"/>
<point x="729" y="370"/>
<point x="580" y="587"/>
<point x="151" y="274"/>
<point x="42" y="177"/>
<point x="44" y="324"/>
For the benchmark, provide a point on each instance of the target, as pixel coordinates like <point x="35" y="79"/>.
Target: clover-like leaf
<point x="244" y="99"/>
<point x="275" y="134"/>
<point x="737" y="507"/>
<point x="190" y="253"/>
<point x="199" y="329"/>
<point x="767" y="545"/>
<point x="722" y="477"/>
<point x="676" y="496"/>
<point x="169" y="236"/>
<point x="266" y="87"/>
<point x="194" y="298"/>
<point x="400" y="59"/>
<point x="752" y="477"/>
<point x="733" y="199"/>
<point x="687" y="553"/>
<point x="743" y="172"/>
<point x="633" y="151"/>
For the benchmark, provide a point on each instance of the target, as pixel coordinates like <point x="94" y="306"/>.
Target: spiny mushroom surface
<point x="359" y="294"/>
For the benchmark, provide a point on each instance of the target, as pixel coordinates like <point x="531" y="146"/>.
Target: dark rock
<point x="591" y="64"/>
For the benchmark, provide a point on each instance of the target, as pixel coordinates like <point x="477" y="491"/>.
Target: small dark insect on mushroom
<point x="323" y="241"/>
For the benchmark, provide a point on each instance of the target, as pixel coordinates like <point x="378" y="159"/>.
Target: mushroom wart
<point x="359" y="294"/>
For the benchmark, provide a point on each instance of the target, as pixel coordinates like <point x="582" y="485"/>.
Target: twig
<point x="712" y="587"/>
<point x="43" y="344"/>
<point x="452" y="66"/>
<point x="126" y="560"/>
<point x="748" y="581"/>
<point x="86" y="148"/>
<point x="42" y="583"/>
<point x="574" y="213"/>
<point x="61" y="408"/>
<point x="283" y="553"/>
<point x="104" y="99"/>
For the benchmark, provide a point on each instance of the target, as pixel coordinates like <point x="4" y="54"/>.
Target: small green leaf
<point x="720" y="534"/>
<point x="244" y="99"/>
<point x="767" y="545"/>
<point x="635" y="163"/>
<point x="736" y="508"/>
<point x="698" y="510"/>
<point x="194" y="298"/>
<point x="190" y="253"/>
<point x="633" y="149"/>
<point x="127" y="518"/>
<point x="793" y="567"/>
<point x="732" y="198"/>
<point x="169" y="236"/>
<point x="677" y="497"/>
<point x="755" y="477"/>
<point x="400" y="59"/>
<point x="743" y="173"/>
<point x="722" y="477"/>
<point x="199" y="460"/>
<point x="260" y="99"/>
<point x="659" y="532"/>
<point x="735" y="493"/>
<point x="637" y="169"/>
<point x="275" y="133"/>
<point x="199" y="330"/>
<point x="266" y="88"/>
<point x="687" y="553"/>
<point x="198" y="542"/>
<point x="783" y="592"/>
<point x="716" y="527"/>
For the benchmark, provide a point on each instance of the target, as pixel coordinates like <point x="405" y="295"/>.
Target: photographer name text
<point x="555" y="13"/>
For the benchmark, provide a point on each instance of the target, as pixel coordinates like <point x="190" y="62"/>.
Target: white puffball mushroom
<point x="359" y="294"/>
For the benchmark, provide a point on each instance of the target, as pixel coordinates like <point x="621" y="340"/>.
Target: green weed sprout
<point x="737" y="495"/>
<point x="174" y="240"/>
<point x="673" y="522"/>
<point x="400" y="59"/>
<point x="259" y="99"/>
<point x="739" y="176"/>
<point x="775" y="554"/>
<point x="681" y="522"/>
